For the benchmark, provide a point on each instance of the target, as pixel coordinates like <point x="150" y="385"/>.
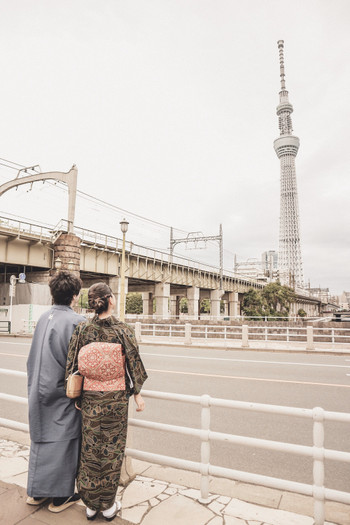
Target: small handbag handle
<point x="76" y="348"/>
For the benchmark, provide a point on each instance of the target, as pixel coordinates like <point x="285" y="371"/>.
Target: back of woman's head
<point x="98" y="297"/>
<point x="63" y="286"/>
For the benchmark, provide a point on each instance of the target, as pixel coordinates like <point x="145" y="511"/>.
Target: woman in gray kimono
<point x="54" y="423"/>
<point x="109" y="360"/>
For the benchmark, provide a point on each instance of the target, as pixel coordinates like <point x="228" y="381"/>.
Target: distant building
<point x="344" y="300"/>
<point x="321" y="293"/>
<point x="265" y="269"/>
<point x="269" y="264"/>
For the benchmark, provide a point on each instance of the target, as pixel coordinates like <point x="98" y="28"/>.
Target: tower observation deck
<point x="286" y="147"/>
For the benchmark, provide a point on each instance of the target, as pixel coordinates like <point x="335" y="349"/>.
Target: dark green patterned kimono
<point x="104" y="413"/>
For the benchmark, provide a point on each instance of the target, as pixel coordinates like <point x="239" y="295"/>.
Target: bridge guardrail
<point x="21" y="227"/>
<point x="317" y="452"/>
<point x="244" y="333"/>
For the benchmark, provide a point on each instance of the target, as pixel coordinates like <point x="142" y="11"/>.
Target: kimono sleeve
<point x="135" y="365"/>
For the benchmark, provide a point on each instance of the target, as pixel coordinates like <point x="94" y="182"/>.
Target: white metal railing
<point x="224" y="317"/>
<point x="5" y="327"/>
<point x="22" y="227"/>
<point x="244" y="333"/>
<point x="317" y="452"/>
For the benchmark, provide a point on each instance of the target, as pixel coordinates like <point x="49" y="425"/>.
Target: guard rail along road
<point x="206" y="436"/>
<point x="242" y="336"/>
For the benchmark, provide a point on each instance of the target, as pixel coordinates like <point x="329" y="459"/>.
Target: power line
<point x="90" y="198"/>
<point x="11" y="162"/>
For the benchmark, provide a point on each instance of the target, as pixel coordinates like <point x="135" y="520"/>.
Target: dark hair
<point x="98" y="296"/>
<point x="63" y="286"/>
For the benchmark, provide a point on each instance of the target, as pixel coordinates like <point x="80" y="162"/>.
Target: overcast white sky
<point x="168" y="108"/>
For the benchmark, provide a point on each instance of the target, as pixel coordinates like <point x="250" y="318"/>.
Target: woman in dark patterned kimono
<point x="108" y="358"/>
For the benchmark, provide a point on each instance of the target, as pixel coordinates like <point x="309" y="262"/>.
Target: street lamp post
<point x="124" y="228"/>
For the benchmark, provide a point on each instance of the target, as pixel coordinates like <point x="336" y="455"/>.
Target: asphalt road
<point x="288" y="379"/>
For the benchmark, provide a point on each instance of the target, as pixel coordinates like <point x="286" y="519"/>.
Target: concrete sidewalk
<point x="158" y="496"/>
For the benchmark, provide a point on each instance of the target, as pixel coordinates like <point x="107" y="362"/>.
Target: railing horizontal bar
<point x="302" y="450"/>
<point x="8" y="372"/>
<point x="337" y="495"/>
<point x="165" y="427"/>
<point x="15" y="425"/>
<point x="15" y="399"/>
<point x="260" y="407"/>
<point x="169" y="396"/>
<point x="290" y="448"/>
<point x="164" y="460"/>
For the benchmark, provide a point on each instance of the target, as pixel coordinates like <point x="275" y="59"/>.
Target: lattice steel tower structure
<point x="286" y="147"/>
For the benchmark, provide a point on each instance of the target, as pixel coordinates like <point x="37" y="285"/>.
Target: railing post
<point x="310" y="338"/>
<point x="245" y="341"/>
<point x="138" y="332"/>
<point x="205" y="448"/>
<point x="318" y="468"/>
<point x="187" y="340"/>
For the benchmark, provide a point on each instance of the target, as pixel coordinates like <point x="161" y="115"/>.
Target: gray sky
<point x="168" y="108"/>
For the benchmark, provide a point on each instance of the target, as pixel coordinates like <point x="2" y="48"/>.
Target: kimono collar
<point x="107" y="321"/>
<point x="61" y="307"/>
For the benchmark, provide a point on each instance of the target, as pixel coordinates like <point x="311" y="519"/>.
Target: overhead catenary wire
<point x="102" y="202"/>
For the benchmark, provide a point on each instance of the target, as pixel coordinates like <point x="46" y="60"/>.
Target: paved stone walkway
<point x="158" y="496"/>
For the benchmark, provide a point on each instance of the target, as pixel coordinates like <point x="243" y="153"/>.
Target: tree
<point x="83" y="299"/>
<point x="204" y="306"/>
<point x="133" y="303"/>
<point x="273" y="300"/>
<point x="253" y="304"/>
<point x="183" y="305"/>
<point x="278" y="299"/>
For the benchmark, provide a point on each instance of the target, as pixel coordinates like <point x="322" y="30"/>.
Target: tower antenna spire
<point x="280" y="44"/>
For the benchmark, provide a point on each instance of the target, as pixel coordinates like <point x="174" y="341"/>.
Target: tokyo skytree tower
<point x="286" y="147"/>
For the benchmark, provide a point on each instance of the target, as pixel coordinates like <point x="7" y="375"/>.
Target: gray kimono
<point x="54" y="422"/>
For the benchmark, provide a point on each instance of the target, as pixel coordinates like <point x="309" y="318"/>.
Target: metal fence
<point x="5" y="327"/>
<point x="317" y="452"/>
<point x="22" y="227"/>
<point x="244" y="334"/>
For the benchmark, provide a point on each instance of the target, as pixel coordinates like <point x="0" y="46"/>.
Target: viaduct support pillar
<point x="233" y="304"/>
<point x="215" y="299"/>
<point x="67" y="249"/>
<point x="162" y="295"/>
<point x="175" y="306"/>
<point x="147" y="303"/>
<point x="193" y="302"/>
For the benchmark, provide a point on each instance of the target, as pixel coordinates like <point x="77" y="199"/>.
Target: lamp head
<point x="124" y="225"/>
<point x="58" y="263"/>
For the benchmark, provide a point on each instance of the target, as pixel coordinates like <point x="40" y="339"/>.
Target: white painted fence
<point x="189" y="334"/>
<point x="318" y="452"/>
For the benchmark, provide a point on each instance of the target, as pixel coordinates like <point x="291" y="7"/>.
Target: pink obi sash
<point x="103" y="366"/>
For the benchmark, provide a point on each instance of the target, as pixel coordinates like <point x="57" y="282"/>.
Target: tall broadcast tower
<point x="286" y="147"/>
